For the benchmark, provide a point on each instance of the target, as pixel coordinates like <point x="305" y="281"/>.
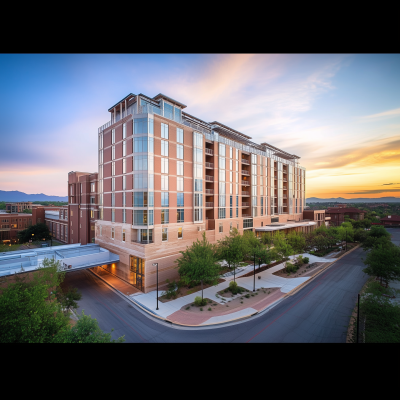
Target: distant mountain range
<point x="358" y="200"/>
<point x="14" y="196"/>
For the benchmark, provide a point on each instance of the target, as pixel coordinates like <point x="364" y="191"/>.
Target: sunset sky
<point x="339" y="113"/>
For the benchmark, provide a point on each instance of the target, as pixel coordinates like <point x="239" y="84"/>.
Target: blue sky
<point x="339" y="113"/>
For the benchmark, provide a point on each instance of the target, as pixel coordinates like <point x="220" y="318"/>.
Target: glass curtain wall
<point x="143" y="179"/>
<point x="198" y="176"/>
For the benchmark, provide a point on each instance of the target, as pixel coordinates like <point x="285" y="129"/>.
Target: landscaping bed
<point x="239" y="302"/>
<point x="304" y="270"/>
<point x="265" y="267"/>
<point x="185" y="290"/>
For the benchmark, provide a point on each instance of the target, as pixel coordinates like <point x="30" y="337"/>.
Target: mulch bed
<point x="183" y="291"/>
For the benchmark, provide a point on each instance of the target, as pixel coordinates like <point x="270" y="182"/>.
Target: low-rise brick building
<point x="337" y="214"/>
<point x="11" y="224"/>
<point x="319" y="216"/>
<point x="391" y="220"/>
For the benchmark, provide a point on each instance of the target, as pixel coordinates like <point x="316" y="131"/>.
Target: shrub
<point x="232" y="285"/>
<point x="247" y="296"/>
<point x="209" y="308"/>
<point x="198" y="302"/>
<point x="201" y="309"/>
<point x="187" y="308"/>
<point x="306" y="260"/>
<point x="291" y="268"/>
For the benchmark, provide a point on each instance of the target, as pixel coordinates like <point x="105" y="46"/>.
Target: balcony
<point x="246" y="183"/>
<point x="209" y="204"/>
<point x="209" y="191"/>
<point x="284" y="180"/>
<point x="244" y="172"/>
<point x="275" y="177"/>
<point x="209" y="178"/>
<point x="245" y="204"/>
<point x="209" y="165"/>
<point x="244" y="161"/>
<point x="285" y="188"/>
<point x="208" y="152"/>
<point x="246" y="215"/>
<point x="245" y="193"/>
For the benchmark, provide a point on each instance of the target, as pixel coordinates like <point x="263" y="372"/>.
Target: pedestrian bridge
<point x="71" y="256"/>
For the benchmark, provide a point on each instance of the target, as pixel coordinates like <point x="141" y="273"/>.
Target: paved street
<point x="318" y="313"/>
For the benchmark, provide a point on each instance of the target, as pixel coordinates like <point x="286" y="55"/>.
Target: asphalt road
<point x="320" y="312"/>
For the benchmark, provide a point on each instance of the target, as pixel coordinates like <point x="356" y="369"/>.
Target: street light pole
<point x="156" y="265"/>
<point x="254" y="274"/>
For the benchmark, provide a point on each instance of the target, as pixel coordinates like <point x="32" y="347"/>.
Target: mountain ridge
<point x="16" y="196"/>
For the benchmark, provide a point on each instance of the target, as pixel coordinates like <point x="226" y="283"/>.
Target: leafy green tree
<point x="35" y="232"/>
<point x="282" y="249"/>
<point x="86" y="330"/>
<point x="27" y="211"/>
<point x="360" y="235"/>
<point x="198" y="263"/>
<point x="383" y="262"/>
<point x="266" y="239"/>
<point x="67" y="296"/>
<point x="2" y="205"/>
<point x="264" y="256"/>
<point x="252" y="243"/>
<point x="232" y="249"/>
<point x="297" y="241"/>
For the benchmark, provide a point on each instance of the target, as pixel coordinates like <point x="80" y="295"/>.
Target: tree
<point x="35" y="232"/>
<point x="232" y="249"/>
<point x="266" y="239"/>
<point x="86" y="330"/>
<point x="27" y="211"/>
<point x="383" y="262"/>
<point x="198" y="263"/>
<point x="378" y="235"/>
<point x="297" y="241"/>
<point x="264" y="256"/>
<point x="282" y="248"/>
<point x="252" y="243"/>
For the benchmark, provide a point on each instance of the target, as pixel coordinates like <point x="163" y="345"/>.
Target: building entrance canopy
<point x="72" y="257"/>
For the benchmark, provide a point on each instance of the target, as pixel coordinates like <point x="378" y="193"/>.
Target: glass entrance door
<point x="137" y="271"/>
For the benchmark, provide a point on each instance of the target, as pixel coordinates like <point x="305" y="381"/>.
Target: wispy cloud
<point x="391" y="184"/>
<point x="374" y="191"/>
<point x="385" y="114"/>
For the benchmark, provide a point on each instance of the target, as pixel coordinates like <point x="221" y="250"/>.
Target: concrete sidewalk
<point x="172" y="309"/>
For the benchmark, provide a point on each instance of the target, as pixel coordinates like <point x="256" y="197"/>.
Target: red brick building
<point x="83" y="207"/>
<point x="391" y="220"/>
<point x="11" y="224"/>
<point x="318" y="216"/>
<point x="337" y="214"/>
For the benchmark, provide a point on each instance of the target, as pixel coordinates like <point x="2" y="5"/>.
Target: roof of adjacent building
<point x="391" y="218"/>
<point x="337" y="210"/>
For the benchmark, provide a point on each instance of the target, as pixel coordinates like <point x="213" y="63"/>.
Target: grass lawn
<point x="6" y="247"/>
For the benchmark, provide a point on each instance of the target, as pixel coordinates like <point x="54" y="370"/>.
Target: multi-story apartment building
<point x="11" y="224"/>
<point x="337" y="214"/>
<point x="82" y="207"/>
<point x="19" y="207"/>
<point x="165" y="177"/>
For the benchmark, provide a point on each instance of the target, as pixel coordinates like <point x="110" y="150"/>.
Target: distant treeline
<point x="48" y="203"/>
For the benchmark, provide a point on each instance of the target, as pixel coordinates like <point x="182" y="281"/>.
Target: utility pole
<point x="254" y="274"/>
<point x="156" y="265"/>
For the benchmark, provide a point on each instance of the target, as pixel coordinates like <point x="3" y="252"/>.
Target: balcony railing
<point x="246" y="215"/>
<point x="244" y="161"/>
<point x="244" y="172"/>
<point x="285" y="188"/>
<point x="209" y="204"/>
<point x="245" y="204"/>
<point x="209" y="178"/>
<point x="245" y="193"/>
<point x="209" y="191"/>
<point x="209" y="165"/>
<point x="246" y="183"/>
<point x="209" y="151"/>
<point x="275" y="177"/>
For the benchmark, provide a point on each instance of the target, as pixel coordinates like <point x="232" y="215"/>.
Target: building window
<point x="140" y="163"/>
<point x="220" y="229"/>
<point x="221" y="213"/>
<point x="81" y="213"/>
<point x="164" y="182"/>
<point x="140" y="144"/>
<point x="164" y="131"/>
<point x="143" y="199"/>
<point x="124" y="217"/>
<point x="179" y="200"/>
<point x="92" y="214"/>
<point x="222" y="150"/>
<point x="180" y="233"/>
<point x="179" y="151"/>
<point x="124" y="131"/>
<point x="179" y="135"/>
<point x="113" y="168"/>
<point x="112" y="233"/>
<point x="124" y="166"/>
<point x="112" y="136"/>
<point x="113" y="152"/>
<point x="112" y="199"/>
<point x="92" y="187"/>
<point x="124" y="182"/>
<point x="137" y="266"/>
<point x="179" y="184"/>
<point x="179" y="167"/>
<point x="180" y="215"/>
<point x="123" y="235"/>
<point x="164" y="234"/>
<point x="143" y="217"/>
<point x="164" y="216"/>
<point x="113" y="215"/>
<point x="164" y="165"/>
<point x="143" y="125"/>
<point x="198" y="200"/>
<point x="124" y="199"/>
<point x="124" y="148"/>
<point x="112" y="184"/>
<point x="164" y="199"/>
<point x="164" y="148"/>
